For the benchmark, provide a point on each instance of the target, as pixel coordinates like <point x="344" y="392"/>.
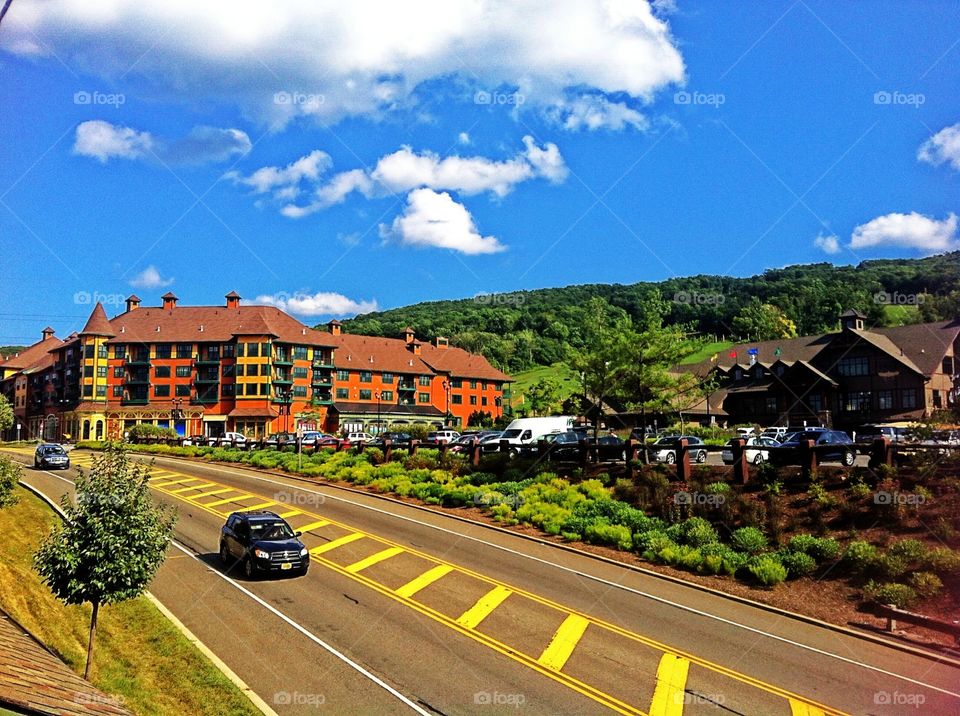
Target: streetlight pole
<point x="378" y="413"/>
<point x="446" y="417"/>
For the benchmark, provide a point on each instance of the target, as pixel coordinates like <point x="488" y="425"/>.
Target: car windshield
<point x="265" y="530"/>
<point x="511" y="433"/>
<point x="54" y="450"/>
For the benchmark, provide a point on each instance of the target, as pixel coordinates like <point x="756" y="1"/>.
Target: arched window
<point x="99" y="430"/>
<point x="86" y="429"/>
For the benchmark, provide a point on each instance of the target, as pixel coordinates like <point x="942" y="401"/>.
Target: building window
<point x="299" y="372"/>
<point x="483" y="401"/>
<point x="162" y="350"/>
<point x="240" y="350"/>
<point x="184" y="350"/>
<point x="300" y="391"/>
<point x="229" y="370"/>
<point x="343" y="393"/>
<point x="264" y="389"/>
<point x="102" y="350"/>
<point x="365" y="394"/>
<point x="386" y="396"/>
<point x="299" y="352"/>
<point x="853" y="366"/>
<point x="161" y="391"/>
<point x="119" y="351"/>
<point x="88" y="391"/>
<point x="885" y="400"/>
<point x="227" y="350"/>
<point x="253" y="369"/>
<point x="118" y="371"/>
<point x="228" y="390"/>
<point x="387" y="378"/>
<point x="424" y="380"/>
<point x="343" y="375"/>
<point x="937" y="400"/>
<point x="162" y="371"/>
<point x="948" y="365"/>
<point x="101" y="371"/>
<point x="423" y="397"/>
<point x="183" y="371"/>
<point x="856" y="401"/>
<point x="456" y="399"/>
<point x="183" y="390"/>
<point x="265" y="350"/>
<point x="101" y="391"/>
<point x="88" y="371"/>
<point x="366" y="376"/>
<point x="771" y="404"/>
<point x="473" y="385"/>
<point x="88" y="351"/>
<point x="253" y="350"/>
<point x="456" y="382"/>
<point x="908" y="398"/>
<point x="118" y="391"/>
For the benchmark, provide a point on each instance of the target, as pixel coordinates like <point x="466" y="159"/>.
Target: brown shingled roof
<point x="460" y="363"/>
<point x="97" y="324"/>
<point x="31" y="354"/>
<point x="219" y="324"/>
<point x="389" y="354"/>
<point x="924" y="344"/>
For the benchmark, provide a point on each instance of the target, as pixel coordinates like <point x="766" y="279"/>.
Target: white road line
<point x="303" y="630"/>
<point x="603" y="581"/>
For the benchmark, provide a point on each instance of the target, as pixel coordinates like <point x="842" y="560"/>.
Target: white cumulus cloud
<point x="942" y="147"/>
<point x="322" y="303"/>
<point x="912" y="230"/>
<point x="433" y="219"/>
<point x="150" y="278"/>
<point x="266" y="179"/>
<point x="592" y="112"/>
<point x="827" y="244"/>
<point x="365" y="57"/>
<point x="103" y="141"/>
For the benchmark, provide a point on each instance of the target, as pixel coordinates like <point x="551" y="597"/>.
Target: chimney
<point x="414" y="346"/>
<point x="47" y="333"/>
<point x="233" y="299"/>
<point x="408" y="335"/>
<point x="169" y="301"/>
<point x="335" y="327"/>
<point x="442" y="342"/>
<point x="133" y="302"/>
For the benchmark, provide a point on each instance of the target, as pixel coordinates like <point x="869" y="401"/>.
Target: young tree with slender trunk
<point x="112" y="542"/>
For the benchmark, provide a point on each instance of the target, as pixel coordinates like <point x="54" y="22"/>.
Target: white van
<point x="524" y="431"/>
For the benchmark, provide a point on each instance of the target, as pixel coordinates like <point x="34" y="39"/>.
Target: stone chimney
<point x="133" y="302"/>
<point x="335" y="327"/>
<point x="233" y="299"/>
<point x="408" y="335"/>
<point x="47" y="333"/>
<point x="442" y="342"/>
<point x="169" y="301"/>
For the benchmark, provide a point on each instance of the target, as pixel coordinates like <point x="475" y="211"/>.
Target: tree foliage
<point x="112" y="541"/>
<point x="6" y="413"/>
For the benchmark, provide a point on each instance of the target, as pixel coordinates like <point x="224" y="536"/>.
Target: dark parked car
<point x="275" y="439"/>
<point x="400" y="440"/>
<point x="50" y="455"/>
<point x="262" y="542"/>
<point x="566" y="446"/>
<point x="833" y="446"/>
<point x="665" y="448"/>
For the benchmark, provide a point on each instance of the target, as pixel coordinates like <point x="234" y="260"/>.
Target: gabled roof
<point x="31" y="354"/>
<point x="391" y="355"/>
<point x="213" y="323"/>
<point x="460" y="363"/>
<point x="889" y="347"/>
<point x="925" y="344"/>
<point x="97" y="324"/>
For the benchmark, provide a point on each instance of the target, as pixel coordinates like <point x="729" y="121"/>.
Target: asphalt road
<point x="409" y="610"/>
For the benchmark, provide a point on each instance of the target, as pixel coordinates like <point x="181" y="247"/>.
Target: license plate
<point x="286" y="565"/>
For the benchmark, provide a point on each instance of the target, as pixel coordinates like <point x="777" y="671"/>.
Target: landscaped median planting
<point x="706" y="526"/>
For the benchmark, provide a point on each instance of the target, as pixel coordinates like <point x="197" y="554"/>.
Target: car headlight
<point x="261" y="554"/>
<point x="304" y="552"/>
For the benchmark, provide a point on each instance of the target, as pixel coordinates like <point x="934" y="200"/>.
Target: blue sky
<point x="332" y="159"/>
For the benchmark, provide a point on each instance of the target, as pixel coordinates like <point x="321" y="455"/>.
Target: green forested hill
<point x="519" y="330"/>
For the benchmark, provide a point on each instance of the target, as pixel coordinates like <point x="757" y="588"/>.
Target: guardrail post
<point x="808" y="459"/>
<point x="342" y="446"/>
<point x="891" y="620"/>
<point x="683" y="460"/>
<point x="387" y="450"/>
<point x="741" y="472"/>
<point x="583" y="453"/>
<point x="475" y="452"/>
<point x="631" y="450"/>
<point x="414" y="445"/>
<point x="541" y="448"/>
<point x="881" y="453"/>
<point x="443" y="451"/>
<point x="504" y="446"/>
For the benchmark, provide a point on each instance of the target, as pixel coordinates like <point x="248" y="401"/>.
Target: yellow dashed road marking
<point x="339" y="542"/>
<point x="313" y="526"/>
<point x="176" y="482"/>
<point x="424" y="580"/>
<point x="798" y="708"/>
<point x="191" y="487"/>
<point x="212" y="492"/>
<point x="486" y="604"/>
<point x="564" y="642"/>
<point x="291" y="513"/>
<point x="373" y="559"/>
<point x="261" y="505"/>
<point x="225" y="501"/>
<point x="671" y="682"/>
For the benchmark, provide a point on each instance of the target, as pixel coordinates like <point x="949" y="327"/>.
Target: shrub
<point x="748" y="539"/>
<point x="798" y="564"/>
<point x="860" y="557"/>
<point x="729" y="559"/>
<point x="891" y="565"/>
<point x="911" y="550"/>
<point x="926" y="584"/>
<point x="767" y="570"/>
<point x="802" y="543"/>
<point x="824" y="549"/>
<point x="696" y="531"/>
<point x="718" y="488"/>
<point x="10" y="473"/>
<point x="689" y="558"/>
<point x="146" y="430"/>
<point x="601" y="532"/>
<point x="943" y="561"/>
<point x="899" y="595"/>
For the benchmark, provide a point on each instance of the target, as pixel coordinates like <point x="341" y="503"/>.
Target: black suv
<point x="50" y="455"/>
<point x="262" y="542"/>
<point x="832" y="446"/>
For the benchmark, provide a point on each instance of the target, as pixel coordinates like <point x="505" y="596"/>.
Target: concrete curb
<point x="258" y="702"/>
<point x="847" y="631"/>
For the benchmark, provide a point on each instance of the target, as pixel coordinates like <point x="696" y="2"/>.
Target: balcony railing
<point x="322" y="382"/>
<point x="136" y="380"/>
<point x="405" y="385"/>
<point x="206" y="359"/>
<point x="207" y="379"/>
<point x="138" y="360"/>
<point x="135" y="401"/>
<point x="283" y="359"/>
<point x="321" y="364"/>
